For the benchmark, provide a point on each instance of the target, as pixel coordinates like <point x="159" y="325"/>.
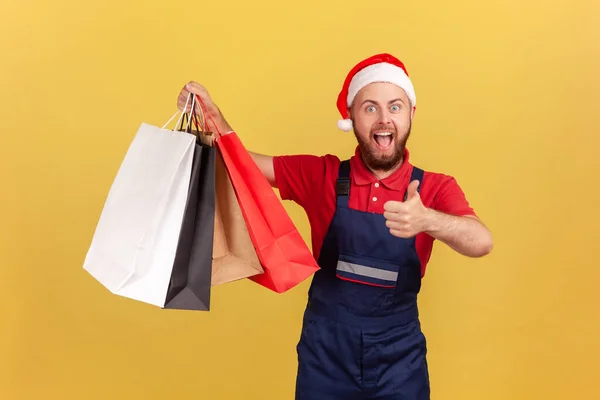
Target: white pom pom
<point x="345" y="125"/>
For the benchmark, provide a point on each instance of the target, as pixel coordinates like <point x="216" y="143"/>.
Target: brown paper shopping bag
<point x="234" y="256"/>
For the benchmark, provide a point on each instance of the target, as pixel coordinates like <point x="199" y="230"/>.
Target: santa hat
<point x="378" y="68"/>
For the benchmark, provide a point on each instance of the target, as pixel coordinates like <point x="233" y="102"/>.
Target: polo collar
<point x="363" y="176"/>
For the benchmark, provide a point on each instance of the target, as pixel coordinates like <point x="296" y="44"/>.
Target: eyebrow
<point x="389" y="102"/>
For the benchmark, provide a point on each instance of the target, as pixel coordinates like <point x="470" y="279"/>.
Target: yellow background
<point x="508" y="96"/>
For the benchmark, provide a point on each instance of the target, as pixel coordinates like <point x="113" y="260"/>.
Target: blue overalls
<point x="361" y="337"/>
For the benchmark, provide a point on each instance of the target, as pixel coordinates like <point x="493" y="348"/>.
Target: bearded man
<point x="374" y="219"/>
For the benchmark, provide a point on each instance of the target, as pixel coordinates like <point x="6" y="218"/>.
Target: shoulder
<point x="434" y="182"/>
<point x="305" y="164"/>
<point x="442" y="192"/>
<point x="299" y="176"/>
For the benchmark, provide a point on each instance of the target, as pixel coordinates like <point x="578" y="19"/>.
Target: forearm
<point x="465" y="234"/>
<point x="265" y="164"/>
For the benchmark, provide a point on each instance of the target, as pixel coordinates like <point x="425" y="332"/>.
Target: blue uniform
<point x="361" y="337"/>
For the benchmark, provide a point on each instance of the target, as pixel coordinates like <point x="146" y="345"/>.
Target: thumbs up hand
<point x="407" y="218"/>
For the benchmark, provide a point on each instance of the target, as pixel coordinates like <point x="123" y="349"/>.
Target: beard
<point x="382" y="162"/>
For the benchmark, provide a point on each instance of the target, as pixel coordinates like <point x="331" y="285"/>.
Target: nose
<point x="385" y="117"/>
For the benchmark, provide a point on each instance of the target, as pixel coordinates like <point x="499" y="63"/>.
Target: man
<point x="373" y="220"/>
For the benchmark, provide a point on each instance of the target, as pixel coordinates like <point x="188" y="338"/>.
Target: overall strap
<point x="417" y="175"/>
<point x="342" y="184"/>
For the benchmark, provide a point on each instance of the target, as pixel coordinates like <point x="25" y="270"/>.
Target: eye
<point x="395" y="108"/>
<point x="371" y="109"/>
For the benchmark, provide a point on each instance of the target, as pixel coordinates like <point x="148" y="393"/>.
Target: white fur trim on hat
<point x="345" y="125"/>
<point x="381" y="72"/>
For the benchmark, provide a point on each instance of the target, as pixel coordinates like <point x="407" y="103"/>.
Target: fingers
<point x="402" y="227"/>
<point x="402" y="233"/>
<point x="390" y="215"/>
<point x="185" y="93"/>
<point x="399" y="224"/>
<point x="393" y="206"/>
<point x="393" y="224"/>
<point x="403" y="218"/>
<point x="181" y="100"/>
<point x="196" y="88"/>
<point x="404" y="222"/>
<point x="395" y="212"/>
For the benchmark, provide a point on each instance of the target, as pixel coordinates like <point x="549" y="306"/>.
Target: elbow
<point x="485" y="249"/>
<point x="484" y="246"/>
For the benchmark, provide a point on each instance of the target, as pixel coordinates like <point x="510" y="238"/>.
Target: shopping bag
<point x="282" y="252"/>
<point x="190" y="283"/>
<point x="154" y="238"/>
<point x="234" y="256"/>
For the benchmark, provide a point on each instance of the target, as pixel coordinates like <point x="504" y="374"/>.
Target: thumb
<point x="412" y="190"/>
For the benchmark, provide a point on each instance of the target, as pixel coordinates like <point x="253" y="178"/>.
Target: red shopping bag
<point x="284" y="255"/>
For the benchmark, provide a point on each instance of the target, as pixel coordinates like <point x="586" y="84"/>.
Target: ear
<point x="412" y="112"/>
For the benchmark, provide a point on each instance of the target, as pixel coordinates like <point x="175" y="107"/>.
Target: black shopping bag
<point x="190" y="285"/>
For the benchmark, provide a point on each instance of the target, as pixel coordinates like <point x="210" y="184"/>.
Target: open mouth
<point x="383" y="140"/>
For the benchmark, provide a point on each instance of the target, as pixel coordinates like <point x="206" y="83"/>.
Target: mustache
<point x="383" y="128"/>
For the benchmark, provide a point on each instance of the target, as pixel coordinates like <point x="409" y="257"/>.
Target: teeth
<point x="384" y="134"/>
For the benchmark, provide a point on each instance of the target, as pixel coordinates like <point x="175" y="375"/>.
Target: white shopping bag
<point x="135" y="242"/>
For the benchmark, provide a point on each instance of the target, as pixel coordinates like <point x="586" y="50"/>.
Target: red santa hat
<point x="378" y="68"/>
